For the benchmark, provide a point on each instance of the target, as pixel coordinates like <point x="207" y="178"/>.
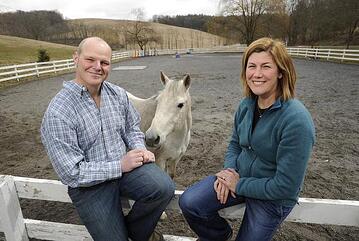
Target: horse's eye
<point x="180" y="105"/>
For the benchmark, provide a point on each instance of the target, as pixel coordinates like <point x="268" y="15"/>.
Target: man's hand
<point x="148" y="156"/>
<point x="136" y="158"/>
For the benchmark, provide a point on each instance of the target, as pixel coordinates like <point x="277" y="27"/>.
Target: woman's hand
<point x="229" y="179"/>
<point x="222" y="191"/>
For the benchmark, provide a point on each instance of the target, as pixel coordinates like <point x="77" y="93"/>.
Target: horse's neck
<point x="146" y="108"/>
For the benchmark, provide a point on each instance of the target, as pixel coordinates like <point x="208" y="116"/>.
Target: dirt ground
<point x="328" y="90"/>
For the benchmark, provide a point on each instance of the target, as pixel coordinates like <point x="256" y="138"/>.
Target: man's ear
<point x="75" y="57"/>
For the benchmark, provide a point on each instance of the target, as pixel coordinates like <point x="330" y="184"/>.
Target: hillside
<point x="114" y="32"/>
<point x="14" y="50"/>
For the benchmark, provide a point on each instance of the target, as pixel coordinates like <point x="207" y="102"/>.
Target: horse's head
<point x="173" y="111"/>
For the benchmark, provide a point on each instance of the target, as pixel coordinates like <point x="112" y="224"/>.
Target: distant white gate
<point x="16" y="228"/>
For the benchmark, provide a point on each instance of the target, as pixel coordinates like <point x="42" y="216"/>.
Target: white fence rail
<point x="26" y="70"/>
<point x="16" y="228"/>
<point x="326" y="54"/>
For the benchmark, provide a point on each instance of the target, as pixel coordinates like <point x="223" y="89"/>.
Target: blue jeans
<point x="99" y="206"/>
<point x="200" y="208"/>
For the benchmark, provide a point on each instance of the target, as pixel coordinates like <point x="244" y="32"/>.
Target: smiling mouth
<point x="96" y="74"/>
<point x="258" y="82"/>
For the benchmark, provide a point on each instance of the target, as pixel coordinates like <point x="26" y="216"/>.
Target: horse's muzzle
<point x="152" y="140"/>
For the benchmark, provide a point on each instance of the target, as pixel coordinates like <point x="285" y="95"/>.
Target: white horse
<point x="166" y="120"/>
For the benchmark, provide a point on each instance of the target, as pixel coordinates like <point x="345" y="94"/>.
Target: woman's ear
<point x="280" y="76"/>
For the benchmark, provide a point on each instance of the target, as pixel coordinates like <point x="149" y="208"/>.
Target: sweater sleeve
<point x="294" y="150"/>
<point x="234" y="149"/>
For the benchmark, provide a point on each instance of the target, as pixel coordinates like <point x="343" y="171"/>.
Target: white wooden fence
<point x="326" y="54"/>
<point x="16" y="228"/>
<point x="27" y="70"/>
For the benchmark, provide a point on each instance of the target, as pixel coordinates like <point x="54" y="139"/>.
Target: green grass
<point x="14" y="50"/>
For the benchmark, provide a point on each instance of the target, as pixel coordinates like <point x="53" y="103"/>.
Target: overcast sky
<point x="114" y="9"/>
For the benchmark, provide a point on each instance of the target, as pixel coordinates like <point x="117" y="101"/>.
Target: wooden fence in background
<point x="20" y="71"/>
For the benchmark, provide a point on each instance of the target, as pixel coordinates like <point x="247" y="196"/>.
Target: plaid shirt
<point x="84" y="143"/>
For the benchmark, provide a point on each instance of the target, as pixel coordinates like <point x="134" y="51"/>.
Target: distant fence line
<point x="20" y="71"/>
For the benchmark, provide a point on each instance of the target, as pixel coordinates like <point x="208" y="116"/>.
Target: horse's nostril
<point x="157" y="140"/>
<point x="152" y="141"/>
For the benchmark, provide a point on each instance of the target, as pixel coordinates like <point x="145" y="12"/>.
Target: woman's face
<point x="262" y="76"/>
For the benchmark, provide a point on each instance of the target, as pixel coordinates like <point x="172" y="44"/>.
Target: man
<point x="91" y="133"/>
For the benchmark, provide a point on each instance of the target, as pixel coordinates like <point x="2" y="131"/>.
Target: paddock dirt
<point x="329" y="91"/>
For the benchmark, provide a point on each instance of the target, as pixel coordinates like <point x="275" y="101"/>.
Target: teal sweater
<point x="272" y="160"/>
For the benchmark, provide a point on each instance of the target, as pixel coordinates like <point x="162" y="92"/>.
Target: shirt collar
<point x="76" y="87"/>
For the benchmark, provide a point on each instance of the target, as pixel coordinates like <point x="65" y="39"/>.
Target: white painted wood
<point x="12" y="221"/>
<point x="309" y="210"/>
<point x="326" y="211"/>
<point x="70" y="232"/>
<point x="56" y="231"/>
<point x="31" y="69"/>
<point x="178" y="238"/>
<point x="41" y="189"/>
<point x="26" y="70"/>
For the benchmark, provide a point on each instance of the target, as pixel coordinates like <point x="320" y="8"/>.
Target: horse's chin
<point x="153" y="149"/>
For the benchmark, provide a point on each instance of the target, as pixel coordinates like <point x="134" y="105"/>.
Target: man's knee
<point x="186" y="201"/>
<point x="167" y="189"/>
<point x="163" y="187"/>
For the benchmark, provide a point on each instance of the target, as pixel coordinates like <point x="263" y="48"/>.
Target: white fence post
<point x="54" y="66"/>
<point x="343" y="56"/>
<point x="12" y="221"/>
<point x="37" y="70"/>
<point x="16" y="74"/>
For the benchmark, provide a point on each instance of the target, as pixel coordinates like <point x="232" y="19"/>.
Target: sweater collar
<point x="276" y="105"/>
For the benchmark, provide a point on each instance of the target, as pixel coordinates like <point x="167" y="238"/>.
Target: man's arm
<point x="60" y="140"/>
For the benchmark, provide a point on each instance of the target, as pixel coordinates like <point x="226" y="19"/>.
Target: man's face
<point x="93" y="63"/>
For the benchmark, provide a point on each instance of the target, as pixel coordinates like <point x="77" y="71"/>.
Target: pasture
<point x="15" y="50"/>
<point x="329" y="91"/>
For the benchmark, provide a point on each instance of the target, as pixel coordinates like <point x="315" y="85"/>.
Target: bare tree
<point x="248" y="13"/>
<point x="141" y="32"/>
<point x="347" y="18"/>
<point x="275" y="20"/>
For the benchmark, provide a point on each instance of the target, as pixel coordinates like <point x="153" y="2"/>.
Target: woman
<point x="267" y="156"/>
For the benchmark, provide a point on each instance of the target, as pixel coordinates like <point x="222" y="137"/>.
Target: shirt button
<point x="250" y="148"/>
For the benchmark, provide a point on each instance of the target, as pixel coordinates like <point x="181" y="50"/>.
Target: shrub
<point x="42" y="56"/>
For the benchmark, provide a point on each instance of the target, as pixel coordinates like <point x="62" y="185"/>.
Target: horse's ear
<point x="187" y="81"/>
<point x="164" y="78"/>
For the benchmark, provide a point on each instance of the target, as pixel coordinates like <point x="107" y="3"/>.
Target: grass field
<point x="14" y="50"/>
